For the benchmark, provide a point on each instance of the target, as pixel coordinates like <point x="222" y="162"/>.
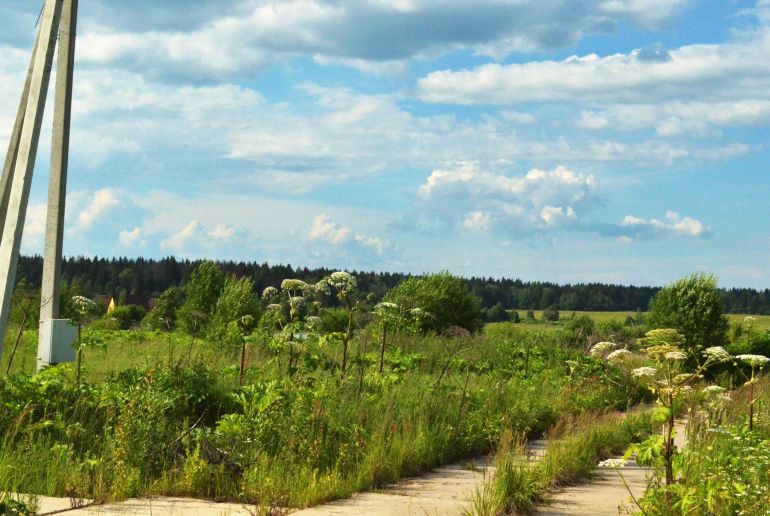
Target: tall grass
<point x="574" y="446"/>
<point x="148" y="420"/>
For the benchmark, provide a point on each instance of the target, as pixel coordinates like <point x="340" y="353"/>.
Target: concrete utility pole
<point x="57" y="182"/>
<point x="24" y="164"/>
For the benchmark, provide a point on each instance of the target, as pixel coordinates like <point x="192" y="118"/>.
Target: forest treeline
<point x="146" y="278"/>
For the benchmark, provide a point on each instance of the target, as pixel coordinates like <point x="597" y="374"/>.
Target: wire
<point x="40" y="15"/>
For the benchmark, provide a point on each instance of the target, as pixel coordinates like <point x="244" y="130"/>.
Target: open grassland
<point x="538" y="324"/>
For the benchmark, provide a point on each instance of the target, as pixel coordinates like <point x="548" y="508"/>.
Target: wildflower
<point x="274" y="307"/>
<point x="713" y="390"/>
<point x="295" y="284"/>
<point x="313" y="321"/>
<point x="681" y="378"/>
<point x="342" y="281"/>
<point x="613" y="463"/>
<point x="754" y="360"/>
<point x="676" y="356"/>
<point x="601" y="348"/>
<point x="644" y="372"/>
<point x="323" y="287"/>
<point x="716" y="353"/>
<point x="82" y="303"/>
<point x="417" y="312"/>
<point x="385" y="306"/>
<point x="619" y="355"/>
<point x="297" y="301"/>
<point x="269" y="292"/>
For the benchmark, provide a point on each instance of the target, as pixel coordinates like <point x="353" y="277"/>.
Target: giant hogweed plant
<point x="670" y="380"/>
<point x="293" y="309"/>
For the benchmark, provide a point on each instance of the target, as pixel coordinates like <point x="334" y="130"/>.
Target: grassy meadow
<point x="159" y="413"/>
<point x="312" y="403"/>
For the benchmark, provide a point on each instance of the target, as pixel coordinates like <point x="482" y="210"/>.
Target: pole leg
<point x="13" y="144"/>
<point x="57" y="183"/>
<point x="25" y="162"/>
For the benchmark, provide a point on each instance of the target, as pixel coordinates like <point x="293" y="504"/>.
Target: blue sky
<point x="572" y="141"/>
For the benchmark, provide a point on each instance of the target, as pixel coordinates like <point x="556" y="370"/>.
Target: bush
<point x="692" y="306"/>
<point x="496" y="313"/>
<point x="127" y="315"/>
<point x="444" y="297"/>
<point x="515" y="317"/>
<point x="551" y="314"/>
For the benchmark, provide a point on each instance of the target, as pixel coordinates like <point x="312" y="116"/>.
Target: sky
<point x="619" y="141"/>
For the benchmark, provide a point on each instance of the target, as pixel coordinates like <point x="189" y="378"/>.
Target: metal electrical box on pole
<point x="57" y="337"/>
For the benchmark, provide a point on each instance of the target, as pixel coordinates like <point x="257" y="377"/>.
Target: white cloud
<point x="692" y="71"/>
<point x="101" y="203"/>
<point x="325" y="231"/>
<point x="222" y="232"/>
<point x="673" y="225"/>
<point x="132" y="238"/>
<point x="480" y="200"/>
<point x="647" y="12"/>
<point x="192" y="232"/>
<point x="373" y="36"/>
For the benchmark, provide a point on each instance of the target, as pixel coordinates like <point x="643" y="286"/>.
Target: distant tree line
<point x="122" y="277"/>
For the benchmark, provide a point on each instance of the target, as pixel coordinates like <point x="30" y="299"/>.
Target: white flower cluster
<point x="644" y="372"/>
<point x="613" y="463"/>
<point x="342" y="281"/>
<point x="295" y="284"/>
<point x="713" y="390"/>
<point x="385" y="306"/>
<point x="269" y="292"/>
<point x="754" y="360"/>
<point x="600" y="348"/>
<point x="717" y="353"/>
<point x="274" y="307"/>
<point x="681" y="378"/>
<point x="619" y="355"/>
<point x="675" y="356"/>
<point x="81" y="302"/>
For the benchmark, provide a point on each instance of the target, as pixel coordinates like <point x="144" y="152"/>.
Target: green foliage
<point x="127" y="315"/>
<point x="162" y="316"/>
<point x="444" y="297"/>
<point x="693" y="306"/>
<point x="201" y="294"/>
<point x="495" y="314"/>
<point x="236" y="301"/>
<point x="515" y="317"/>
<point x="551" y="314"/>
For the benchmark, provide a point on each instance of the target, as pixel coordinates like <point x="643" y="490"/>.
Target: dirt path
<point x="605" y="495"/>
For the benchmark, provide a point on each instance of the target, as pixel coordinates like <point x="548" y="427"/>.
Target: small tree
<point x="236" y="301"/>
<point x="693" y="307"/>
<point x="201" y="294"/>
<point x="515" y="317"/>
<point x="162" y="316"/>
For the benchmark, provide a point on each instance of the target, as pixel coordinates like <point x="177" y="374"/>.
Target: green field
<point x="762" y="322"/>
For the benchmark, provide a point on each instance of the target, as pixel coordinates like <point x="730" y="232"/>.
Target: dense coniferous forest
<point x="147" y="278"/>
